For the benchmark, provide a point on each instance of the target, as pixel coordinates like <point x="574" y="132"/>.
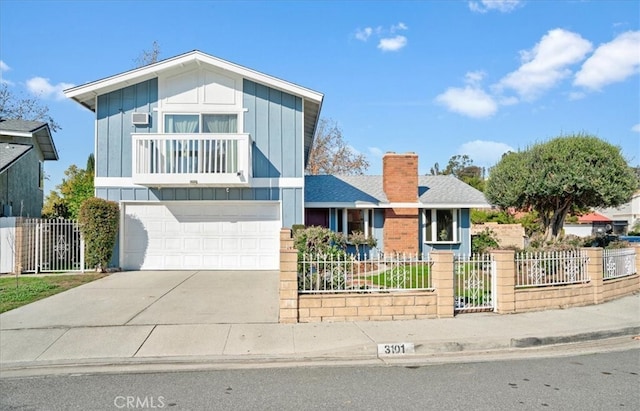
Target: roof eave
<point x="86" y="93"/>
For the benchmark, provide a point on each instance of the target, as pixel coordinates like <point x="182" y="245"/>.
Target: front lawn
<point x="405" y="276"/>
<point x="30" y="289"/>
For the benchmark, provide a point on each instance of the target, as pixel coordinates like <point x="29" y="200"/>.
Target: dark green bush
<point x="98" y="220"/>
<point x="484" y="241"/>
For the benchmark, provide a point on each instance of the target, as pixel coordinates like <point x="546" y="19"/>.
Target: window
<point x="199" y="155"/>
<point x="441" y="226"/>
<point x="355" y="219"/>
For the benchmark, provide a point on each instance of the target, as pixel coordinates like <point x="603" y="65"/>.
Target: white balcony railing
<point x="191" y="159"/>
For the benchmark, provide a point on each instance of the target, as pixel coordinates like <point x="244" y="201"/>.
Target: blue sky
<point x="438" y="78"/>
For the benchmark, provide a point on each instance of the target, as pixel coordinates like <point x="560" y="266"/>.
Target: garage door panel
<point x="201" y="235"/>
<point x="194" y="244"/>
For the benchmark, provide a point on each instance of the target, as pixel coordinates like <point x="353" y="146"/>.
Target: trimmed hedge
<point x="99" y="220"/>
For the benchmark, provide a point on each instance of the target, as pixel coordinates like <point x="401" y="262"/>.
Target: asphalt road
<point x="604" y="381"/>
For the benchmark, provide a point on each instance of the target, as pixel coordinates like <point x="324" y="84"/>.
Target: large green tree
<point x="72" y="192"/>
<point x="461" y="166"/>
<point x="570" y="172"/>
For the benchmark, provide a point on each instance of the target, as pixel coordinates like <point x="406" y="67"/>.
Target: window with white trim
<point x="355" y="219"/>
<point x="440" y="226"/>
<point x="203" y="156"/>
<point x="201" y="123"/>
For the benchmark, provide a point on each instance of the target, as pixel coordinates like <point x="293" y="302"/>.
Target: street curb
<point x="565" y="339"/>
<point x="464" y="353"/>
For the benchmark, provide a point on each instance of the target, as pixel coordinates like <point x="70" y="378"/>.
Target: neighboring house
<point x="206" y="159"/>
<point x="625" y="216"/>
<point x="589" y="224"/>
<point x="24" y="146"/>
<point x="404" y="212"/>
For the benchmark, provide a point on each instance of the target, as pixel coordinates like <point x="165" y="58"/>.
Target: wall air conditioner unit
<point x="140" y="119"/>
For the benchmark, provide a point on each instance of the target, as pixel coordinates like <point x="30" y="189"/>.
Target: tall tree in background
<point x="461" y="166"/>
<point x="24" y="108"/>
<point x="147" y="57"/>
<point x="330" y="154"/>
<point x="562" y="174"/>
<point x="72" y="192"/>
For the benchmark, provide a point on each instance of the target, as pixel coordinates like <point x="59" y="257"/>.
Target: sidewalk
<point x="40" y="347"/>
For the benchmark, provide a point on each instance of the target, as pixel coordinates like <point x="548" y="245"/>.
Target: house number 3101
<point x="396" y="349"/>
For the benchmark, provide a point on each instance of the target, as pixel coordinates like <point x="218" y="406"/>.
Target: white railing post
<point x="38" y="257"/>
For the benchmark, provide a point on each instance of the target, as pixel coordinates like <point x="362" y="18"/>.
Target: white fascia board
<point x="443" y="206"/>
<point x="83" y="92"/>
<point x="282" y="182"/>
<point x="116" y="182"/>
<point x="292" y="182"/>
<point x="16" y="133"/>
<point x="324" y="204"/>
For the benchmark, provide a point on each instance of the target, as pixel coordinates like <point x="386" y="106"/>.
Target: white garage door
<point x="201" y="235"/>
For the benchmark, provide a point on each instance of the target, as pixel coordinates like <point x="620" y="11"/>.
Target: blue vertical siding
<point x="274" y="121"/>
<point x="114" y="128"/>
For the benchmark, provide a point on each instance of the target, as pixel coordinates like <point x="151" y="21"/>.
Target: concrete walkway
<point x="216" y="317"/>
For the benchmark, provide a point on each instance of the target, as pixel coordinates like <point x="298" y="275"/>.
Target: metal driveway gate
<point x="473" y="283"/>
<point x="50" y="245"/>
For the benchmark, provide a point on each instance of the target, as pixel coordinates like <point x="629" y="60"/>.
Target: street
<point x="602" y="381"/>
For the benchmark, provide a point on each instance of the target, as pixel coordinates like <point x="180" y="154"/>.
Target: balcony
<point x="179" y="160"/>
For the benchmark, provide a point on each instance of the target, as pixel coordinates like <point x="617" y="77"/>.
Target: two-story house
<point x="206" y="159"/>
<point x="24" y="147"/>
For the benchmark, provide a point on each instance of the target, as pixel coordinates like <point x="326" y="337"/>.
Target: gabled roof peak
<point x="85" y="94"/>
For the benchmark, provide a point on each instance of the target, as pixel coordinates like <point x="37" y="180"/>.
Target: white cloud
<point x="42" y="87"/>
<point x="503" y="6"/>
<point x="611" y="62"/>
<point x="3" y="68"/>
<point x="474" y="78"/>
<point x="399" y="26"/>
<point x="392" y="43"/>
<point x="484" y="153"/>
<point x="470" y="101"/>
<point x="576" y="95"/>
<point x="546" y="64"/>
<point x="364" y="34"/>
<point x="388" y="39"/>
<point x="636" y="128"/>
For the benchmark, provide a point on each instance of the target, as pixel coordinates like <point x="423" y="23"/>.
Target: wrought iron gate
<point x="473" y="283"/>
<point x="50" y="245"/>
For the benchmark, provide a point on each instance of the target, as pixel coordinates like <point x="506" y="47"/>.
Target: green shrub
<point x="484" y="241"/>
<point x="479" y="216"/>
<point x="327" y="247"/>
<point x="98" y="220"/>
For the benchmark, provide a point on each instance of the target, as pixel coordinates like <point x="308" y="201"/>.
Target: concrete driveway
<point x="156" y="298"/>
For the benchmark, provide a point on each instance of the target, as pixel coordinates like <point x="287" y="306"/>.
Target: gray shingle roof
<point x="22" y="126"/>
<point x="446" y="191"/>
<point x="10" y="153"/>
<point x="35" y="129"/>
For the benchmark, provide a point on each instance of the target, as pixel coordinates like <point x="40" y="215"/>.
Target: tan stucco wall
<point x="510" y="235"/>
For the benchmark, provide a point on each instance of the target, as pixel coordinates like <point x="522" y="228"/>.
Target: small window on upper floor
<point x="201" y="123"/>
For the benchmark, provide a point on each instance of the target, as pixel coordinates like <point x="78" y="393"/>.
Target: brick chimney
<point x="400" y="184"/>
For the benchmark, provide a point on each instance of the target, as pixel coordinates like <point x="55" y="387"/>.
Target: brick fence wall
<point x="439" y="302"/>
